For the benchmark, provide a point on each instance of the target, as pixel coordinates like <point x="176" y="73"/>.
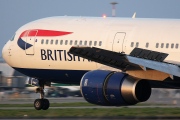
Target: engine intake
<point x="113" y="88"/>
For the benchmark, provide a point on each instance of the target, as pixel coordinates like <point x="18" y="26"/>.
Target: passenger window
<point x="85" y="42"/>
<point x="172" y="45"/>
<point x="75" y="43"/>
<point x="71" y="42"/>
<point x="66" y="42"/>
<point x="157" y="45"/>
<point x="100" y="43"/>
<point x="61" y="42"/>
<point x="80" y="43"/>
<point x="51" y="41"/>
<point x="132" y="44"/>
<point x="147" y="45"/>
<point x="56" y="42"/>
<point x="177" y="45"/>
<point x="90" y="43"/>
<point x="95" y="43"/>
<point x="137" y="44"/>
<point x="162" y="45"/>
<point x="42" y="41"/>
<point x="47" y="41"/>
<point x="167" y="45"/>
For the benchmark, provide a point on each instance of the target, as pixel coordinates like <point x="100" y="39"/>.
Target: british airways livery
<point x="30" y="33"/>
<point x="145" y="53"/>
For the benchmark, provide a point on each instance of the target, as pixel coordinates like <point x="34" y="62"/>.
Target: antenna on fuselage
<point x="134" y="15"/>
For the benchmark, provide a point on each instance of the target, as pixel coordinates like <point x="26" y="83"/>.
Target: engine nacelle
<point x="113" y="88"/>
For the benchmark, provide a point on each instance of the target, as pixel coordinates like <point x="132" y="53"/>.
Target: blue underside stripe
<point x="58" y="76"/>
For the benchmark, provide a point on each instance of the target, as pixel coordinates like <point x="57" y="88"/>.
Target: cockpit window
<point x="12" y="38"/>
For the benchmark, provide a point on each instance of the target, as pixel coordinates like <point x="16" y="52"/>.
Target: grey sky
<point x="15" y="13"/>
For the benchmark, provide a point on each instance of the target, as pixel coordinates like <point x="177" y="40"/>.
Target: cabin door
<point x="30" y="42"/>
<point x="118" y="42"/>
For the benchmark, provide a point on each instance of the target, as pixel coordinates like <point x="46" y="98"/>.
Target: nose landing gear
<point x="41" y="103"/>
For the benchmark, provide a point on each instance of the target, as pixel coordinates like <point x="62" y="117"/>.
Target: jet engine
<point x="110" y="88"/>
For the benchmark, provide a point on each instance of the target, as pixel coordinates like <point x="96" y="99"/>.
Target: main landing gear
<point x="41" y="103"/>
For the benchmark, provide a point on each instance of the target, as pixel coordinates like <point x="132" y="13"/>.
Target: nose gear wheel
<point x="41" y="103"/>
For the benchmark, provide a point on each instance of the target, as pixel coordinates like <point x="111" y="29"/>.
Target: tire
<point x="45" y="104"/>
<point x="38" y="104"/>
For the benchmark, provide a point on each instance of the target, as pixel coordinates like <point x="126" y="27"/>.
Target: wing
<point x="109" y="58"/>
<point x="138" y="59"/>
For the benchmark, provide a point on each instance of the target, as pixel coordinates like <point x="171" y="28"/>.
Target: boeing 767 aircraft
<point x="73" y="49"/>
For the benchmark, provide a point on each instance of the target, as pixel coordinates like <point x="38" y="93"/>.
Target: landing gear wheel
<point x="45" y="104"/>
<point x="41" y="103"/>
<point x="38" y="104"/>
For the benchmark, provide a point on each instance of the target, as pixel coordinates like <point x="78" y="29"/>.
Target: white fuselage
<point x="116" y="34"/>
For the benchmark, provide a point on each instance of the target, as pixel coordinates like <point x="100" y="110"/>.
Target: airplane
<point x="71" y="50"/>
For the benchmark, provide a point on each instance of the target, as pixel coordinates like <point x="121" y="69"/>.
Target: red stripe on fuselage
<point x="43" y="33"/>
